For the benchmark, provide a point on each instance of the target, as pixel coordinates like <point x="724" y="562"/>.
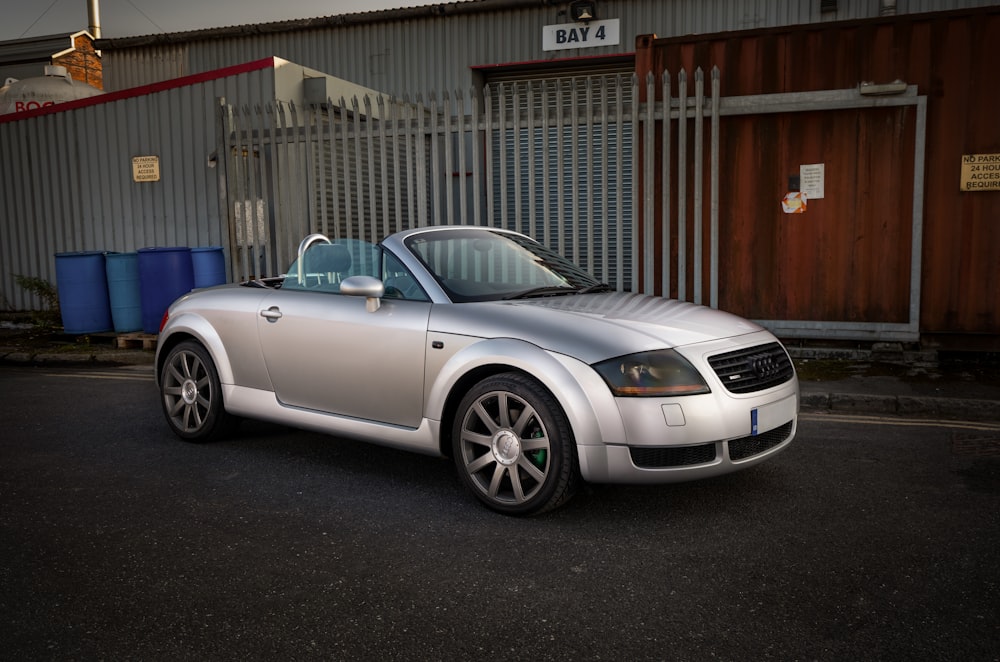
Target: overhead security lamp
<point x="583" y="11"/>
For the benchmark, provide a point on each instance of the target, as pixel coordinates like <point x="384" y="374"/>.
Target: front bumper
<point x="670" y="440"/>
<point x="676" y="464"/>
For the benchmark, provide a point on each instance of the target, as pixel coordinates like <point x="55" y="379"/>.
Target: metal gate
<point x="554" y="159"/>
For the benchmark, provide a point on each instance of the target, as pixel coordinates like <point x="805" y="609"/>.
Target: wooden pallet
<point x="135" y="341"/>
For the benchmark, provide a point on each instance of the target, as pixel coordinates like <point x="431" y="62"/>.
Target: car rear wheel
<point x="513" y="446"/>
<point x="191" y="394"/>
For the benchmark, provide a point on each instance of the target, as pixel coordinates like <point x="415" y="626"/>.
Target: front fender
<point x="196" y="326"/>
<point x="580" y="391"/>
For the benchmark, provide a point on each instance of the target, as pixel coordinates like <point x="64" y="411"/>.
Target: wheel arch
<point x="193" y="327"/>
<point x="574" y="386"/>
<point x="458" y="391"/>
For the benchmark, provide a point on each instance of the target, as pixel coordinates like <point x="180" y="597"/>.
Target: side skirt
<point x="264" y="406"/>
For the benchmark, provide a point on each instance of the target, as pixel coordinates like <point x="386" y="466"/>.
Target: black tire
<point x="513" y="446"/>
<point x="191" y="395"/>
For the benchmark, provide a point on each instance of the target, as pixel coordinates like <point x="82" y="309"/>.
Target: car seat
<point x="329" y="263"/>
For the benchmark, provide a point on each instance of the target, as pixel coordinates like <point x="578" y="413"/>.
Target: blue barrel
<point x="164" y="275"/>
<point x="123" y="291"/>
<point x="83" y="292"/>
<point x="209" y="266"/>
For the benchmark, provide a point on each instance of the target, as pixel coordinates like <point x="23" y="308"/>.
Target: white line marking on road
<point x="906" y="422"/>
<point x="103" y="375"/>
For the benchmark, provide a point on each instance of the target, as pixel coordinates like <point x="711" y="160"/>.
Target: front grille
<point x="753" y="369"/>
<point x="744" y="447"/>
<point x="677" y="456"/>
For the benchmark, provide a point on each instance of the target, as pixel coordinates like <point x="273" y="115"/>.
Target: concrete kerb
<point x="104" y="357"/>
<point x="906" y="406"/>
<point x="887" y="380"/>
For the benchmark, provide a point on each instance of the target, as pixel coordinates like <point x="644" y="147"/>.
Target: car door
<point x="324" y="351"/>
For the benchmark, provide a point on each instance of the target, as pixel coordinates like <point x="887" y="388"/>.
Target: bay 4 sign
<point x="581" y="35"/>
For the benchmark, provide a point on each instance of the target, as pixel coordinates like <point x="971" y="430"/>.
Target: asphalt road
<point x="863" y="540"/>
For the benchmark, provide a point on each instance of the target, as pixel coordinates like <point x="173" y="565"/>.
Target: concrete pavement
<point x="920" y="384"/>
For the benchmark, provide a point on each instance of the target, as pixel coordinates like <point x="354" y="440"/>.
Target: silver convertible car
<point x="485" y="346"/>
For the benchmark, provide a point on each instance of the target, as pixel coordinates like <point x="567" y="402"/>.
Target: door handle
<point x="272" y="314"/>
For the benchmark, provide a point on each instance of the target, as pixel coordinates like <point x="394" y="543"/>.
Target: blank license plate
<point x="770" y="416"/>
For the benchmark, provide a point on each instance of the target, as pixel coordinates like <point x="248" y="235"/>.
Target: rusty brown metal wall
<point x="848" y="258"/>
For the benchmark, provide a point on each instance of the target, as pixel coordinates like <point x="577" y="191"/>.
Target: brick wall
<point x="83" y="63"/>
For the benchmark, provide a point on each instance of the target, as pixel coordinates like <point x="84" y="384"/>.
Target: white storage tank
<point x="56" y="86"/>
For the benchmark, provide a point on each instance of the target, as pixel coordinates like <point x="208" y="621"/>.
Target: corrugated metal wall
<point x="66" y="177"/>
<point x="415" y="51"/>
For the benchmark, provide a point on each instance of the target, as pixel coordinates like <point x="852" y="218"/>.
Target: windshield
<point x="483" y="265"/>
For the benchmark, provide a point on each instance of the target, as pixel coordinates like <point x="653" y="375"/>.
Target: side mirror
<point x="372" y="289"/>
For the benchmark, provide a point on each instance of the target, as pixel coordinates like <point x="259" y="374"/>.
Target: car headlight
<point x="652" y="374"/>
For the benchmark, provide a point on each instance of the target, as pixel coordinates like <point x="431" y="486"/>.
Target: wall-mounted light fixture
<point x="870" y="89"/>
<point x="583" y="11"/>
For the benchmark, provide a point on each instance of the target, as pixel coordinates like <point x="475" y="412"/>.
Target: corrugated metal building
<point x="67" y="178"/>
<point x="426" y="52"/>
<point x="457" y="45"/>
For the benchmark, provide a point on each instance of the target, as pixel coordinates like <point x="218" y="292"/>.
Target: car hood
<point x="593" y="327"/>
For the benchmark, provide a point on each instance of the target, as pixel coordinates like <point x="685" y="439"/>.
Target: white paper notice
<point x="812" y="180"/>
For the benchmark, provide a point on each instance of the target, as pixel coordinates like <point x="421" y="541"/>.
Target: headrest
<point x="322" y="258"/>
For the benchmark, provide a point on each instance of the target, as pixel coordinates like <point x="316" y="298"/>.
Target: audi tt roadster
<point x="484" y="346"/>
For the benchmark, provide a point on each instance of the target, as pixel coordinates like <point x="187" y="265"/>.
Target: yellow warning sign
<point x="980" y="172"/>
<point x="146" y="168"/>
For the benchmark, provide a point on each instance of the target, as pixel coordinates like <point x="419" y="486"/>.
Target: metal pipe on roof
<point x="94" y="18"/>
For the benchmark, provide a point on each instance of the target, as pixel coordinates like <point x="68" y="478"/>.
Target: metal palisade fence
<point x="558" y="159"/>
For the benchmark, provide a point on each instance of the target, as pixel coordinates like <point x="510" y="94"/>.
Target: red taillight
<point x="166" y="316"/>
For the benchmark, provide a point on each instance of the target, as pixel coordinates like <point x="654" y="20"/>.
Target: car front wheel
<point x="513" y="446"/>
<point x="191" y="394"/>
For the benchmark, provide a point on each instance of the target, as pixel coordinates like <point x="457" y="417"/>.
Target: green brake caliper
<point x="537" y="457"/>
